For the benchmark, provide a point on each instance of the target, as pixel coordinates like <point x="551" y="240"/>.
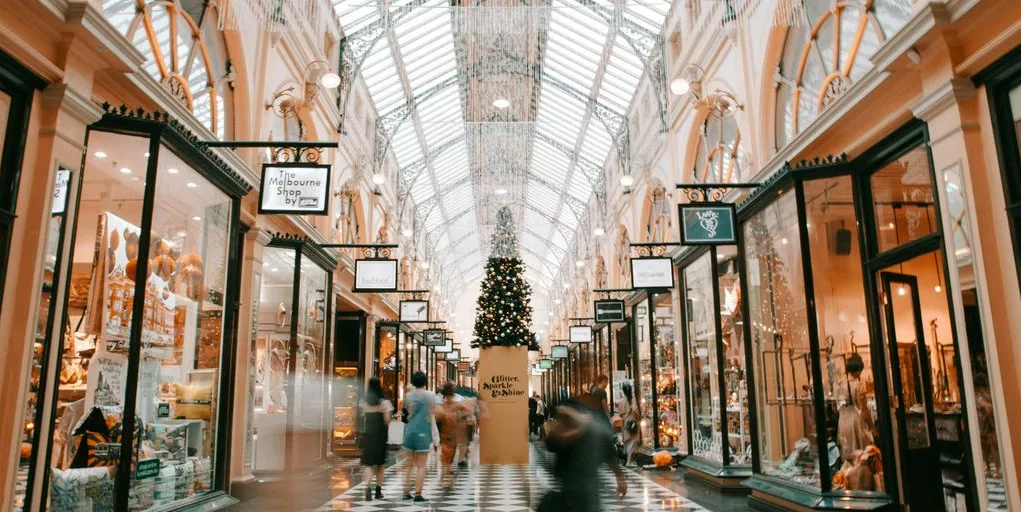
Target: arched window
<point x="720" y="158"/>
<point x="825" y="54"/>
<point x="185" y="51"/>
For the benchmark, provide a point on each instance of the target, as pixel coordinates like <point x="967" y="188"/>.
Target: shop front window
<point x="290" y="412"/>
<point x="669" y="405"/>
<point x="644" y="374"/>
<point x="780" y="344"/>
<point x="738" y="428"/>
<point x="902" y="200"/>
<point x="388" y="359"/>
<point x="5" y="115"/>
<point x="959" y="244"/>
<point x="845" y="349"/>
<point x="706" y="431"/>
<point x="146" y="319"/>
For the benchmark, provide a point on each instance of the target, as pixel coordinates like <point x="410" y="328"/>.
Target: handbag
<point x="631" y="425"/>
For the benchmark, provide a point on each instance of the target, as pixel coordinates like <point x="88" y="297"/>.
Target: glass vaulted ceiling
<point x="553" y="60"/>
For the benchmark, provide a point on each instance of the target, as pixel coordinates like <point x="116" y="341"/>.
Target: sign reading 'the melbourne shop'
<point x="708" y="224"/>
<point x="289" y="187"/>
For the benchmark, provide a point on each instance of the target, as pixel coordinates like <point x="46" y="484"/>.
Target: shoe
<point x="420" y="499"/>
<point x="462" y="464"/>
<point x="408" y="496"/>
<point x="379" y="493"/>
<point x="368" y="494"/>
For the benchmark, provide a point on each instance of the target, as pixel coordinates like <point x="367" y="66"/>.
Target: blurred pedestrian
<point x="540" y="416"/>
<point x="630" y="415"/>
<point x="532" y="406"/>
<point x="599" y="396"/>
<point x="450" y="418"/>
<point x="418" y="434"/>
<point x="377" y="413"/>
<point x="583" y="443"/>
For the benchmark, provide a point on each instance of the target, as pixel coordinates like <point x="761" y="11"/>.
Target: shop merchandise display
<point x="176" y="405"/>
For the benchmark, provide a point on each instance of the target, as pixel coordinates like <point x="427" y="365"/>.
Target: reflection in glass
<point x="902" y="200"/>
<point x="776" y="305"/>
<point x="272" y="357"/>
<point x="310" y="361"/>
<point x="93" y="360"/>
<point x="644" y="377"/>
<point x="705" y="385"/>
<point x="959" y="244"/>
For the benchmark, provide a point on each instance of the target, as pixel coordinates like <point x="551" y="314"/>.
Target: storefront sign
<point x="414" y="311"/>
<point x="608" y="311"/>
<point x="145" y="469"/>
<point x="464" y="366"/>
<point x="60" y="187"/>
<point x="454" y="355"/>
<point x="652" y="273"/>
<point x="559" y="351"/>
<point x="708" y="224"/>
<point x="504" y="388"/>
<point x="377" y="275"/>
<point x="434" y="338"/>
<point x="546" y="364"/>
<point x="299" y="188"/>
<point x="581" y="334"/>
<point x="447" y="346"/>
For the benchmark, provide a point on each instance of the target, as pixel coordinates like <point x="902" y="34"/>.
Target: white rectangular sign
<point x="300" y="188"/>
<point x="375" y="275"/>
<point x="652" y="273"/>
<point x="446" y="347"/>
<point x="581" y="334"/>
<point x="414" y="311"/>
<point x="60" y="187"/>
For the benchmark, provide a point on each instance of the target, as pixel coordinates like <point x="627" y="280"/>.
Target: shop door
<point x="912" y="391"/>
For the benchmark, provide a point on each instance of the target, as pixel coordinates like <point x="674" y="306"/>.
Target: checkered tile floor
<point x="504" y="488"/>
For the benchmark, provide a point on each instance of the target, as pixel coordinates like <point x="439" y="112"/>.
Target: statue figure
<point x="600" y="273"/>
<point x="658" y="223"/>
<point x="405" y="269"/>
<point x="624" y="256"/>
<point x="347" y="221"/>
<point x="383" y="235"/>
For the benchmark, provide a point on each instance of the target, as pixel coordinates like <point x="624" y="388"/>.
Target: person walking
<point x="532" y="405"/>
<point x="540" y="416"/>
<point x="450" y="418"/>
<point x="418" y="434"/>
<point x="582" y="442"/>
<point x="630" y="415"/>
<point x="377" y="413"/>
<point x="599" y="396"/>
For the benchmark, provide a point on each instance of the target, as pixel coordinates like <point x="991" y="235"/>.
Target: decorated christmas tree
<point x="503" y="317"/>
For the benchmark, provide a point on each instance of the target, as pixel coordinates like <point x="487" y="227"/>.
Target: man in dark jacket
<point x="533" y="406"/>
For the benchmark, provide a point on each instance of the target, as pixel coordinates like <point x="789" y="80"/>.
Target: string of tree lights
<point x="503" y="317"/>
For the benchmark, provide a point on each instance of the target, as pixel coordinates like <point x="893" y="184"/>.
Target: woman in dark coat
<point x="378" y="412"/>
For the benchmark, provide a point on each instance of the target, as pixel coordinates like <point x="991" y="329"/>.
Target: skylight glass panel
<point x="580" y="188"/>
<point x="406" y="146"/>
<point x="355" y="14"/>
<point x="547" y="200"/>
<point x="458" y="199"/>
<point x="434" y="220"/>
<point x="597" y="143"/>
<point x="649" y="15"/>
<point x="423" y="189"/>
<point x="381" y="77"/>
<point x="559" y="241"/>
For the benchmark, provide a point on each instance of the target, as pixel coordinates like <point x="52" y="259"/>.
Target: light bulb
<point x="407" y="232"/>
<point x="330" y="80"/>
<point x="902" y="291"/>
<point x="680" y="86"/>
<point x="192" y="185"/>
<point x="424" y="265"/>
<point x="938" y="288"/>
<point x="125" y="170"/>
<point x="783" y="240"/>
<point x="580" y="263"/>
<point x="500" y="191"/>
<point x="99" y="154"/>
<point x="501" y="103"/>
<point x="598" y="232"/>
<point x="173" y="170"/>
<point x="378" y="178"/>
<point x="627" y="180"/>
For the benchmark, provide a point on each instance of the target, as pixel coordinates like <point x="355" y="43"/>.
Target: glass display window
<point x="668" y="375"/>
<point x="781" y="353"/>
<point x="702" y="360"/>
<point x="902" y="199"/>
<point x="292" y="418"/>
<point x="389" y="357"/>
<point x="139" y="419"/>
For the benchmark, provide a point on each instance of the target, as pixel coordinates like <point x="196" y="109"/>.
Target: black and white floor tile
<point x="503" y="488"/>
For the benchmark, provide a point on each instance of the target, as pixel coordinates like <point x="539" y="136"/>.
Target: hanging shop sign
<point x="464" y="366"/>
<point x="546" y="364"/>
<point x="60" y="188"/>
<point x="608" y="311"/>
<point x="454" y="355"/>
<point x="294" y="187"/>
<point x="559" y="351"/>
<point x="434" y="337"/>
<point x="412" y="311"/>
<point x="375" y="275"/>
<point x="652" y="273"/>
<point x="708" y="223"/>
<point x="447" y="346"/>
<point x="581" y="334"/>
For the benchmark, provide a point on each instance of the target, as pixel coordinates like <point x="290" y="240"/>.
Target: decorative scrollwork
<point x="649" y="250"/>
<point x="704" y="194"/>
<point x="292" y="154"/>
